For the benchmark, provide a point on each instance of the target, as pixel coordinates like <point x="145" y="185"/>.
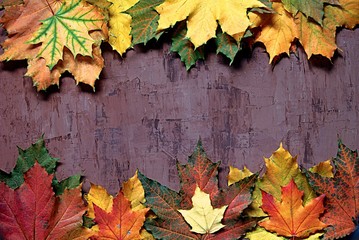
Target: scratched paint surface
<point x="148" y="111"/>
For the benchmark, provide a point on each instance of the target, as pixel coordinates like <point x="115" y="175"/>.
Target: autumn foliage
<point x="56" y="36"/>
<point x="283" y="202"/>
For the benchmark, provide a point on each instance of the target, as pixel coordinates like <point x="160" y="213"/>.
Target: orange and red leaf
<point x="122" y="222"/>
<point x="289" y="217"/>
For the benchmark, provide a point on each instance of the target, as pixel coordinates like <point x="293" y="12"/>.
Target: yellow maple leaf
<point x="120" y="24"/>
<point x="99" y="196"/>
<point x="202" y="17"/>
<point x="324" y="169"/>
<point x="203" y="218"/>
<point x="278" y="30"/>
<point x="345" y="14"/>
<point x="235" y="174"/>
<point x="134" y="192"/>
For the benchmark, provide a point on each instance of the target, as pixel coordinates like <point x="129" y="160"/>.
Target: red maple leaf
<point x="33" y="212"/>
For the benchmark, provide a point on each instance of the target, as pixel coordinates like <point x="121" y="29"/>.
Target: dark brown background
<point x="148" y="111"/>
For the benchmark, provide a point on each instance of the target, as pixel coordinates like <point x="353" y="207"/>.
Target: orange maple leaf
<point x="289" y="217"/>
<point x="122" y="222"/>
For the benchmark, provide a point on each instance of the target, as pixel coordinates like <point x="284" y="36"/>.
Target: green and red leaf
<point x="199" y="171"/>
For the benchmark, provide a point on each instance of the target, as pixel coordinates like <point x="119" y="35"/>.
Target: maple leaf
<point x="203" y="218"/>
<point x="120" y="25"/>
<point x="17" y="20"/>
<point x="184" y="47"/>
<point x="70" y="27"/>
<point x="345" y="14"/>
<point x="342" y="193"/>
<point x="26" y="159"/>
<point x="278" y="31"/>
<point x="144" y="21"/>
<point x="324" y="169"/>
<point x="227" y="45"/>
<point x="235" y="174"/>
<point x="289" y="217"/>
<point x="20" y="22"/>
<point x="164" y="203"/>
<point x="100" y="197"/>
<point x="202" y="17"/>
<point x="68" y="183"/>
<point x="134" y="192"/>
<point x="121" y="222"/>
<point x="84" y="69"/>
<point x="310" y="8"/>
<point x="33" y="212"/>
<point x="281" y="169"/>
<point x="314" y="38"/>
<point x="199" y="173"/>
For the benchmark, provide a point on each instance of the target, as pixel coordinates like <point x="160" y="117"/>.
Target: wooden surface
<point x="148" y="111"/>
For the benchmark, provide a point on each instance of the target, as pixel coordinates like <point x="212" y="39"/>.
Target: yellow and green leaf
<point x="310" y="8"/>
<point x="68" y="27"/>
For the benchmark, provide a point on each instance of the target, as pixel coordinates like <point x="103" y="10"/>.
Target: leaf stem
<point x="48" y="4"/>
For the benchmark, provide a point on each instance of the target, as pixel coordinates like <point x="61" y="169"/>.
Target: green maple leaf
<point x="310" y="8"/>
<point x="227" y="45"/>
<point x="184" y="47"/>
<point x="144" y="21"/>
<point x="26" y="160"/>
<point x="69" y="27"/>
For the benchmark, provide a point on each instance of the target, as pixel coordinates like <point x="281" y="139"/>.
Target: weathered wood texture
<point x="148" y="111"/>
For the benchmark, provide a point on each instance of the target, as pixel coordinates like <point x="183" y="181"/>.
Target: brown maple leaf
<point x="342" y="193"/>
